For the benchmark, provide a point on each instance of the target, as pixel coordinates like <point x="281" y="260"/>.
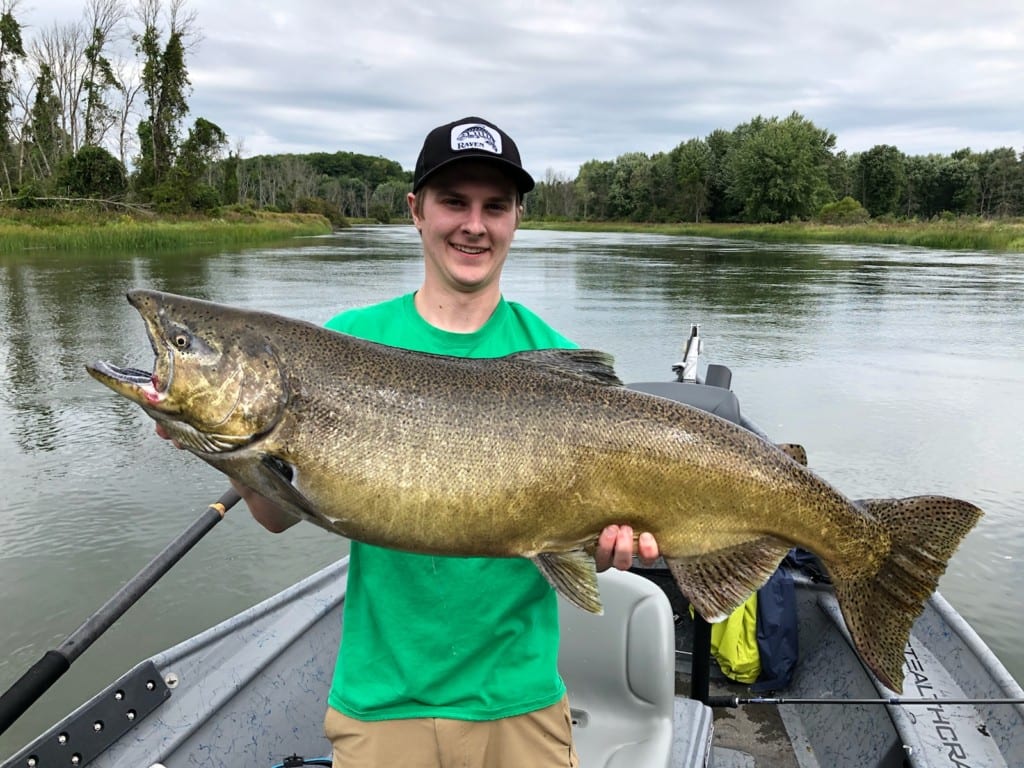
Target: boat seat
<point x="716" y="400"/>
<point x="620" y="672"/>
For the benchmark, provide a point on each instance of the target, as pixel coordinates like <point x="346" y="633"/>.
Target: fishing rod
<point x="733" y="702"/>
<point x="54" y="663"/>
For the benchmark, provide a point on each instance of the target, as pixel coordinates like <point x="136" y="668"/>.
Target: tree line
<point x="339" y="185"/>
<point x="97" y="109"/>
<point x="773" y="170"/>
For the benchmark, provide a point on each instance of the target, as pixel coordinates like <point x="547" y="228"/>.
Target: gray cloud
<point x="572" y="81"/>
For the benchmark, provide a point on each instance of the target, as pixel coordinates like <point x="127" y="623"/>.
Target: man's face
<point x="467" y="218"/>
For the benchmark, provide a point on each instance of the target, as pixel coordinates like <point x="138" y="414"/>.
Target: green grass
<point x="82" y="230"/>
<point x="959" y="234"/>
<point x="90" y="231"/>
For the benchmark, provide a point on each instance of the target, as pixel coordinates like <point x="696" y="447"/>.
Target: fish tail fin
<point x="880" y="608"/>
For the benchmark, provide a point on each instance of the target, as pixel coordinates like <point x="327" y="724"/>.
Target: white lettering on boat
<point x="944" y="728"/>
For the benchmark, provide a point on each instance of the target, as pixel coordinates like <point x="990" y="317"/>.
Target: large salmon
<point x="529" y="455"/>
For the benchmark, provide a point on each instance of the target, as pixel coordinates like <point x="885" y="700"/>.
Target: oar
<point x="54" y="663"/>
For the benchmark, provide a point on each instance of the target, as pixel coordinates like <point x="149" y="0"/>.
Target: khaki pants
<point x="541" y="739"/>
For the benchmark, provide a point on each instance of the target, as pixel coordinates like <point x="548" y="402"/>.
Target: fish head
<point x="217" y="383"/>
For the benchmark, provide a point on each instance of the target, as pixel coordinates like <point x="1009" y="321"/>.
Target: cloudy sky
<point x="572" y="81"/>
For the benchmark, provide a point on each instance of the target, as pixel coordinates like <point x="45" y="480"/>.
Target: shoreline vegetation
<point x="71" y="230"/>
<point x="965" y="233"/>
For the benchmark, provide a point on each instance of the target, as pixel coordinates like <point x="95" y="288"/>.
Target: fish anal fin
<point x="795" y="451"/>
<point x="587" y="365"/>
<point x="573" y="575"/>
<point x="718" y="582"/>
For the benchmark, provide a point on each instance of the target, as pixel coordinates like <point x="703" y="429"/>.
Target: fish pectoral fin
<point x="573" y="575"/>
<point x="587" y="365"/>
<point x="278" y="477"/>
<point x="719" y="582"/>
<point x="795" y="451"/>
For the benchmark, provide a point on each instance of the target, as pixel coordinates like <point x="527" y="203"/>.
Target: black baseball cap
<point x="470" y="138"/>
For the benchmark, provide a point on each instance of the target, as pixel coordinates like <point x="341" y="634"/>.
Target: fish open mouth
<point x="128" y="375"/>
<point x="135" y="383"/>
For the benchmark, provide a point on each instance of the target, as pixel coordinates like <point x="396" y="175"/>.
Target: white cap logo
<point x="475" y="136"/>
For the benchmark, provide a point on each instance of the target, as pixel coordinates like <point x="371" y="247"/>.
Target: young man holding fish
<point x="497" y="461"/>
<point x="453" y="661"/>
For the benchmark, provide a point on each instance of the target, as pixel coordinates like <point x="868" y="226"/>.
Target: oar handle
<point x="45" y="672"/>
<point x="30" y="686"/>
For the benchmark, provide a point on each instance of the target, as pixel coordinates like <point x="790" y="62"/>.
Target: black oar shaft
<point x="54" y="663"/>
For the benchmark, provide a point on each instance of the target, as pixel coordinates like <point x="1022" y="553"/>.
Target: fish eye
<point x="182" y="341"/>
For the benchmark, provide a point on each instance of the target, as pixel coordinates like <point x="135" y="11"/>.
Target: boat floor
<point x="746" y="736"/>
<point x="742" y="737"/>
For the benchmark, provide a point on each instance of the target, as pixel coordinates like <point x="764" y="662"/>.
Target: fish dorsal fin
<point x="717" y="583"/>
<point x="588" y="365"/>
<point x="573" y="575"/>
<point x="795" y="451"/>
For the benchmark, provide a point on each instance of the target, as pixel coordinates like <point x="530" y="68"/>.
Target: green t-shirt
<point x="453" y="637"/>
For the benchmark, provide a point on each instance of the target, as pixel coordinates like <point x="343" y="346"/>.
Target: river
<point x="901" y="370"/>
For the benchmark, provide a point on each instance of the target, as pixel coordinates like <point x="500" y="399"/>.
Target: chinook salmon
<point x="529" y="455"/>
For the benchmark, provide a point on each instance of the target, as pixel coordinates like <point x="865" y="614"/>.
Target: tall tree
<point x="165" y="84"/>
<point x="11" y="51"/>
<point x="961" y="182"/>
<point x="841" y="174"/>
<point x="922" y="195"/>
<point x="1000" y="178"/>
<point x="128" y="89"/>
<point x="553" y="197"/>
<point x="59" y="48"/>
<point x="631" y="192"/>
<point x="666" y="199"/>
<point x="881" y="179"/>
<point x="721" y="207"/>
<point x="47" y="141"/>
<point x="189" y="184"/>
<point x="778" y="169"/>
<point x="102" y="18"/>
<point x="593" y="183"/>
<point x="693" y="160"/>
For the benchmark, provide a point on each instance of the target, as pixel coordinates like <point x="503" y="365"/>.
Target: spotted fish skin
<point x="529" y="455"/>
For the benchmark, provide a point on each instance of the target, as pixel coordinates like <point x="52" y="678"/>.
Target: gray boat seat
<point x="716" y="400"/>
<point x="620" y="672"/>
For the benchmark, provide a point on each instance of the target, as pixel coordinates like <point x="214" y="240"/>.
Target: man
<point x="452" y="661"/>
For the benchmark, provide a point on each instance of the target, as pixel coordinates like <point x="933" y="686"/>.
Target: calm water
<point x="901" y="371"/>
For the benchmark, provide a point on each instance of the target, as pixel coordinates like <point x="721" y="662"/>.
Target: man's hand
<point x="162" y="432"/>
<point x="263" y="510"/>
<point x="615" y="548"/>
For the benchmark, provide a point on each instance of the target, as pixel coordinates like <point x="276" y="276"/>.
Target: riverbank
<point x="78" y="230"/>
<point x="957" y="234"/>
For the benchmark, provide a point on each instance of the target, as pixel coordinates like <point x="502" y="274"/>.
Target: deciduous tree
<point x="880" y="179"/>
<point x="778" y="169"/>
<point x="166" y="85"/>
<point x="694" y="161"/>
<point x="11" y="52"/>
